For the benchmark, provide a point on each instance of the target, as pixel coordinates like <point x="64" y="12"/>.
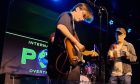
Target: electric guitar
<point x="74" y="55"/>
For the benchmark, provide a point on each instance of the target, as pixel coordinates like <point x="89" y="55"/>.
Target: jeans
<point x="125" y="79"/>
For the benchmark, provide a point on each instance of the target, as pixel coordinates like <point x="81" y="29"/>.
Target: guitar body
<point x="73" y="52"/>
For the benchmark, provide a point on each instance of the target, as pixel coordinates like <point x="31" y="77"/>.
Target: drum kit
<point x="88" y="73"/>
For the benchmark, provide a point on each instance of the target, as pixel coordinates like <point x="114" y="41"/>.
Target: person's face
<point x="120" y="37"/>
<point x="79" y="15"/>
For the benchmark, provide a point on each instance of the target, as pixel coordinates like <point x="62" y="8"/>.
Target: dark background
<point x="36" y="18"/>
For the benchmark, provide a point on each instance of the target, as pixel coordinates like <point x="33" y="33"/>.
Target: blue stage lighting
<point x="56" y="0"/>
<point x="111" y="22"/>
<point x="129" y="30"/>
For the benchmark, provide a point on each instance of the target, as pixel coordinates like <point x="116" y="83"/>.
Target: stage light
<point x="56" y="0"/>
<point x="129" y="30"/>
<point x="111" y="22"/>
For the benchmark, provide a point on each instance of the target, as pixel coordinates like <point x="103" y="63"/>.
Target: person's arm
<point x="111" y="52"/>
<point x="66" y="32"/>
<point x="131" y="54"/>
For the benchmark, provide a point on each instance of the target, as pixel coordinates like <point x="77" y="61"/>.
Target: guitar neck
<point x="87" y="52"/>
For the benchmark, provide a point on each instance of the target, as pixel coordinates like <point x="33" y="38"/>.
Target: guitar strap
<point x="75" y="34"/>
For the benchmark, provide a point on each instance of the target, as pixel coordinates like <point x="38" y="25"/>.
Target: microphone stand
<point x="100" y="10"/>
<point x="100" y="43"/>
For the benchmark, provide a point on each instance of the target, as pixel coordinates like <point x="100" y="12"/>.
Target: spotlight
<point x="56" y="0"/>
<point x="129" y="30"/>
<point x="111" y="22"/>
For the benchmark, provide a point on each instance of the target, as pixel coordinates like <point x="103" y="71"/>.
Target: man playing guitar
<point x="67" y="46"/>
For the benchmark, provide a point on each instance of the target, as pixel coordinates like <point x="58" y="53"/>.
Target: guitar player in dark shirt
<point x="61" y="66"/>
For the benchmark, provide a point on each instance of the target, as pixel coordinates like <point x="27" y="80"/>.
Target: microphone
<point x="94" y="3"/>
<point x="102" y="8"/>
<point x="88" y="1"/>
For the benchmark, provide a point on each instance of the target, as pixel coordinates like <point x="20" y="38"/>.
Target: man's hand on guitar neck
<point x="91" y="53"/>
<point x="94" y="53"/>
